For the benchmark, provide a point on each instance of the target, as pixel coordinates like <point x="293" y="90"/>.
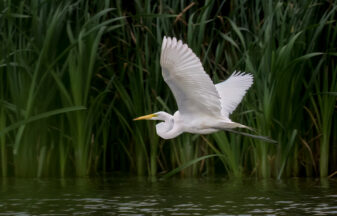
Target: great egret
<point x="203" y="107"/>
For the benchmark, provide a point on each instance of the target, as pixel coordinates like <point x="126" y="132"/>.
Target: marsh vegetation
<point x="73" y="75"/>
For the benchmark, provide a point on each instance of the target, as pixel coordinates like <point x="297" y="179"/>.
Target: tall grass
<point x="48" y="62"/>
<point x="58" y="57"/>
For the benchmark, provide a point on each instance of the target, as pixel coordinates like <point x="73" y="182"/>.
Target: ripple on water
<point x="199" y="198"/>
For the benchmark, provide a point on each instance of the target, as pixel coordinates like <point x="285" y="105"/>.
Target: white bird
<point x="203" y="107"/>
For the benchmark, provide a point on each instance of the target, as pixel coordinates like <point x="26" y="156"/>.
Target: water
<point x="139" y="196"/>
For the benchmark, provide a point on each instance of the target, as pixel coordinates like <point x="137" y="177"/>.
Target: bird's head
<point x="164" y="129"/>
<point x="163" y="116"/>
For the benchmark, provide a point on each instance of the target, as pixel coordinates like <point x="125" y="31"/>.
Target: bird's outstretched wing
<point x="192" y="88"/>
<point x="232" y="91"/>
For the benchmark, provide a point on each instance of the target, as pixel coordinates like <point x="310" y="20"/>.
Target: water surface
<point x="139" y="196"/>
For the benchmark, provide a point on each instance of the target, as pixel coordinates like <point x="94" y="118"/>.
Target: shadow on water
<point x="139" y="196"/>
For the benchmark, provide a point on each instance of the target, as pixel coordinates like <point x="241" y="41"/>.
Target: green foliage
<point x="58" y="57"/>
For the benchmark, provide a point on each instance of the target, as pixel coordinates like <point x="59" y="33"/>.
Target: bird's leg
<point x="263" y="138"/>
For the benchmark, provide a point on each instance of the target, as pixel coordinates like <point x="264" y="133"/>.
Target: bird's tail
<point x="229" y="126"/>
<point x="238" y="125"/>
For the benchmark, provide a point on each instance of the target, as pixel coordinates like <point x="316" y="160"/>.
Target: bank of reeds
<point x="74" y="75"/>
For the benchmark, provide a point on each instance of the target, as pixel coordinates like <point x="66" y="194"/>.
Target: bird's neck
<point x="169" y="128"/>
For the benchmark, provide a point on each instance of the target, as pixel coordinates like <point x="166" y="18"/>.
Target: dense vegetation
<point x="74" y="75"/>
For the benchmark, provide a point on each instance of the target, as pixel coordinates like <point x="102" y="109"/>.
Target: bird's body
<point x="177" y="124"/>
<point x="173" y="126"/>
<point x="203" y="107"/>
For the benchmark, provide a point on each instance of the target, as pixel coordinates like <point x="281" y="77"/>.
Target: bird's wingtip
<point x="172" y="41"/>
<point x="241" y="73"/>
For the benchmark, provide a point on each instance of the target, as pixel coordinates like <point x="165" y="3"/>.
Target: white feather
<point x="232" y="91"/>
<point x="192" y="88"/>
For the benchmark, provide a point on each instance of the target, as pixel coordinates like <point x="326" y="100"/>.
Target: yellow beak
<point x="145" y="117"/>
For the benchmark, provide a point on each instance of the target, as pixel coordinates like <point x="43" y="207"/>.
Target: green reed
<point x="57" y="58"/>
<point x="42" y="45"/>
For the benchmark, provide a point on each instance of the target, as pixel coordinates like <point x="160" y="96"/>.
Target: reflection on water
<point x="137" y="196"/>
